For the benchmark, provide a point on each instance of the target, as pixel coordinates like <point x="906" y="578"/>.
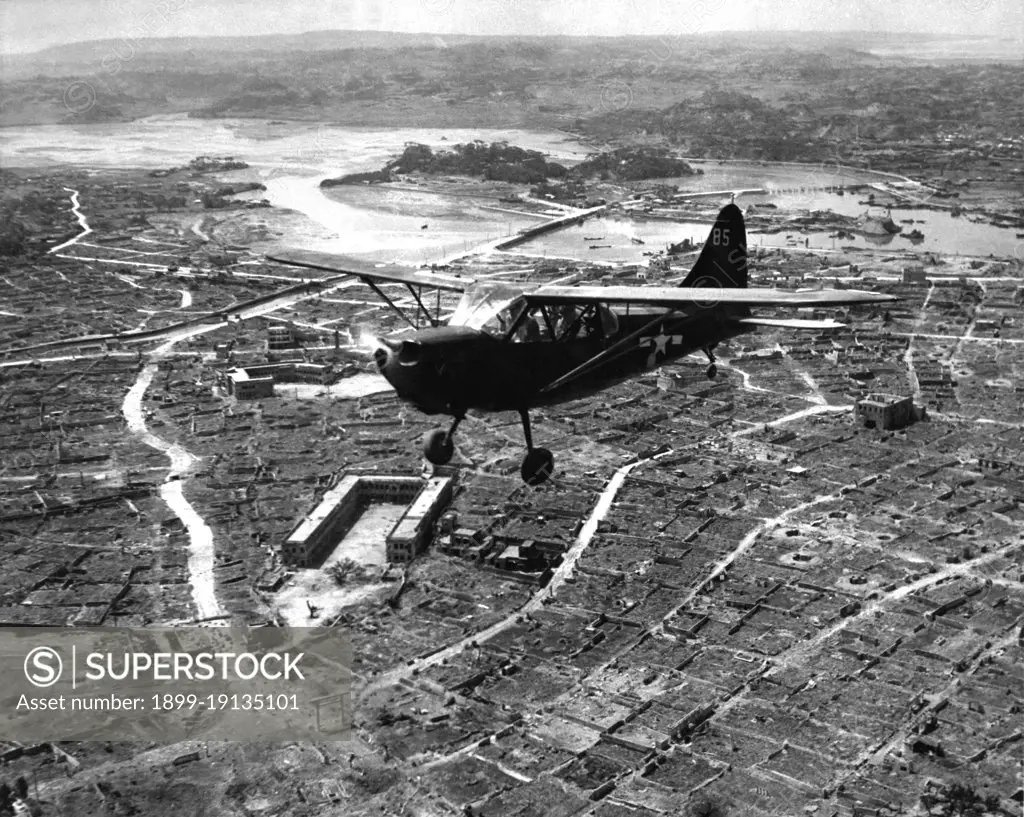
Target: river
<point x="410" y="226"/>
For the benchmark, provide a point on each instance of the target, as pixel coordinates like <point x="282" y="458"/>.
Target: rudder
<point x="723" y="261"/>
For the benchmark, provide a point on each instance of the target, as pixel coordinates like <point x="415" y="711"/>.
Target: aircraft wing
<point x="680" y="297"/>
<point x="368" y="271"/>
<point x="792" y="323"/>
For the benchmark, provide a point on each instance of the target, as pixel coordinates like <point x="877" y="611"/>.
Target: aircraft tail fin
<point x="723" y="261"/>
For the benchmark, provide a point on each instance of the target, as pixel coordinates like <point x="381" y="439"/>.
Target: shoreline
<point x="338" y="218"/>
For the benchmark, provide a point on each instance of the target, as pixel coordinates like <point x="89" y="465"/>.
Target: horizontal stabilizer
<point x="792" y="323"/>
<point x="367" y="270"/>
<point x="703" y="297"/>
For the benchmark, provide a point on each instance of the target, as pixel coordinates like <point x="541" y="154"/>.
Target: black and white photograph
<point x="512" y="408"/>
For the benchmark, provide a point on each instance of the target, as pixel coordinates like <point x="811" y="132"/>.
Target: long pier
<point x="556" y="223"/>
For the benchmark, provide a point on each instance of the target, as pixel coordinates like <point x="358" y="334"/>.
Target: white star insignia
<point x="661" y="341"/>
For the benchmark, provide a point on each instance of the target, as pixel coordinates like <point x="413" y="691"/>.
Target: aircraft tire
<point x="438" y="447"/>
<point x="712" y="372"/>
<point x="537" y="466"/>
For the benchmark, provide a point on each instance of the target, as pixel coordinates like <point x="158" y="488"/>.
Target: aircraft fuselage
<point x="452" y="369"/>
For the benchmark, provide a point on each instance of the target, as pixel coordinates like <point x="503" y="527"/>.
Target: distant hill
<point x="93" y="52"/>
<point x="764" y="95"/>
<point x="310" y="41"/>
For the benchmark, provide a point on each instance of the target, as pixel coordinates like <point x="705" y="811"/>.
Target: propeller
<point x="407" y="352"/>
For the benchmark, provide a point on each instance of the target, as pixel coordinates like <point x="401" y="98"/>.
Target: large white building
<point x="314" y="538"/>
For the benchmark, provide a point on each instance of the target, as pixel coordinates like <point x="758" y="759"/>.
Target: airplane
<point x="515" y="347"/>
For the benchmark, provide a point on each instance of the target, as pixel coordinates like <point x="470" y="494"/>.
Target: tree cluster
<point x="632" y="164"/>
<point x="498" y="161"/>
<point x="368" y="177"/>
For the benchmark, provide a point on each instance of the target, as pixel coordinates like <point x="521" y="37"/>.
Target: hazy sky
<point x="28" y="25"/>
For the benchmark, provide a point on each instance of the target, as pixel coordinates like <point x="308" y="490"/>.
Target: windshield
<point x="489" y="307"/>
<point x="495" y="308"/>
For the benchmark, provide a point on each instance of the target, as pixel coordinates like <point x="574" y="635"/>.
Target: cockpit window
<point x="498" y="324"/>
<point x="489" y="307"/>
<point x="495" y="308"/>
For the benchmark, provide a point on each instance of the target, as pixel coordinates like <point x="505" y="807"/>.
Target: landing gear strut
<point x="539" y="462"/>
<point x="712" y="370"/>
<point x="439" y="445"/>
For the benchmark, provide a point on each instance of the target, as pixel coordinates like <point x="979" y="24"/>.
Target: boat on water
<point x="914" y="235"/>
<point x="592" y="237"/>
<point x="1020" y="235"/>
<point x="600" y="246"/>
<point x="636" y="240"/>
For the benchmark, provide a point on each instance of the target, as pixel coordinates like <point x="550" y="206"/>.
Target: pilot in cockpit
<point x="608" y="319"/>
<point x="598" y="323"/>
<point x="564" y="321"/>
<point x="529" y="330"/>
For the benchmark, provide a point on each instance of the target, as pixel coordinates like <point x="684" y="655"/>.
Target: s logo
<point x="43" y="666"/>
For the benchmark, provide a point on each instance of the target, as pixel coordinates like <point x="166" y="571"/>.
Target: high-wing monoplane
<point x="513" y="347"/>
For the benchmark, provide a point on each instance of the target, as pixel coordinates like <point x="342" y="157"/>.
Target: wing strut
<point x="390" y="303"/>
<point x="615" y="350"/>
<point x="416" y="293"/>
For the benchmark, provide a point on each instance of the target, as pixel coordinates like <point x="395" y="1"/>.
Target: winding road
<point x="561" y="574"/>
<point x="201" y="552"/>
<point x="76" y="209"/>
<point x="788" y="418"/>
<point x="197" y="228"/>
<point x="908" y="356"/>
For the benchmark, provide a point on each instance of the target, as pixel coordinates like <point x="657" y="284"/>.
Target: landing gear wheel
<point x="537" y="466"/>
<point x="438" y="447"/>
<point x="712" y="372"/>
